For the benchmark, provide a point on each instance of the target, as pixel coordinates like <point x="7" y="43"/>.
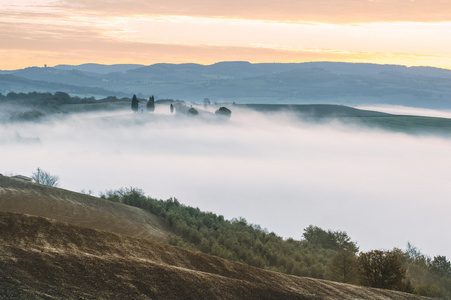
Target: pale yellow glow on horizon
<point x="206" y="56"/>
<point x="58" y="32"/>
<point x="405" y="37"/>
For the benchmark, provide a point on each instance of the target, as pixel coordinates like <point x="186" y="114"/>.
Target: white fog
<point x="384" y="189"/>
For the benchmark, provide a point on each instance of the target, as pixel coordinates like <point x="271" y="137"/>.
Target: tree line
<point x="52" y="100"/>
<point x="34" y="105"/>
<point x="320" y="253"/>
<point x="150" y="107"/>
<point x="40" y="104"/>
<point x="150" y="104"/>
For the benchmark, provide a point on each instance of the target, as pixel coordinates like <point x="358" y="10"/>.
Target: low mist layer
<point x="383" y="188"/>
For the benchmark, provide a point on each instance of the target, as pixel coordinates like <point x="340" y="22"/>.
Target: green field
<point x="34" y="105"/>
<point x="408" y="124"/>
<point x="419" y="125"/>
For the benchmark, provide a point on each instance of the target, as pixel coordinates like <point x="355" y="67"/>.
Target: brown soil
<point x="44" y="201"/>
<point x="43" y="258"/>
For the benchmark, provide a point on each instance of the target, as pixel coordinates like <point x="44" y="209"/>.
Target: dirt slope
<point x="79" y="209"/>
<point x="42" y="258"/>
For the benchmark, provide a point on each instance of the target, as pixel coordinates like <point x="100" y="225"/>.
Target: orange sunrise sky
<point x="52" y="32"/>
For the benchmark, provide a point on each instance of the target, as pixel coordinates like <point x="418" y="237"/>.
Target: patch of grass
<point x="409" y="124"/>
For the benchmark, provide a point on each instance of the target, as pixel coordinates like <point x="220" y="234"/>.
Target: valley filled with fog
<point x="383" y="188"/>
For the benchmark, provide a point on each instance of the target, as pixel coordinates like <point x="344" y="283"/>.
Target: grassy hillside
<point x="320" y="254"/>
<point x="408" y="124"/>
<point x="42" y="258"/>
<point x="352" y="116"/>
<point x="79" y="209"/>
<point x="315" y="110"/>
<point x="57" y="244"/>
<point x="35" y="106"/>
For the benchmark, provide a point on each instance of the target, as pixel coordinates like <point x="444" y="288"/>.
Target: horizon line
<point x="230" y="61"/>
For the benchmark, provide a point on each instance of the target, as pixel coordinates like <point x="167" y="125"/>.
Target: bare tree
<point x="45" y="178"/>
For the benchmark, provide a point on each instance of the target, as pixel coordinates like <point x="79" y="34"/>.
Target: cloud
<point x="56" y="32"/>
<point x="403" y="110"/>
<point x="329" y="11"/>
<point x="383" y="188"/>
<point x="181" y="40"/>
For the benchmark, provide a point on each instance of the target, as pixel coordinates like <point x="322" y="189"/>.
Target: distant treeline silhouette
<point x="52" y="100"/>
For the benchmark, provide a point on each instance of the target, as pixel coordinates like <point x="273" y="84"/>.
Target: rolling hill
<point x="10" y="82"/>
<point x="243" y="82"/>
<point x="416" y="125"/>
<point x="99" y="68"/>
<point x="71" y="254"/>
<point x="79" y="209"/>
<point x="315" y="110"/>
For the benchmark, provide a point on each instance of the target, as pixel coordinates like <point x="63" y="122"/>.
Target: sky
<point x="52" y="32"/>
<point x="384" y="189"/>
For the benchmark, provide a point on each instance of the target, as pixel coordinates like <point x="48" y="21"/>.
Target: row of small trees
<point x="380" y="269"/>
<point x="150" y="106"/>
<point x="49" y="100"/>
<point x="320" y="254"/>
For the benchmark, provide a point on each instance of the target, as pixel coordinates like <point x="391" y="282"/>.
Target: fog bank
<point x="403" y="110"/>
<point x="384" y="189"/>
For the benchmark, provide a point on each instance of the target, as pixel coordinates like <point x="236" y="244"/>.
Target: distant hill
<point x="10" y="82"/>
<point x="315" y="110"/>
<point x="71" y="77"/>
<point x="243" y="82"/>
<point x="100" y="69"/>
<point x="416" y="125"/>
<point x="218" y="71"/>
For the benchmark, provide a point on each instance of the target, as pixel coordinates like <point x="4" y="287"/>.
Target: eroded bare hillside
<point x="59" y="204"/>
<point x="42" y="258"/>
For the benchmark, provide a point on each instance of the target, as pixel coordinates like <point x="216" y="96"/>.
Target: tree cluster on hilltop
<point x="150" y="104"/>
<point x="320" y="254"/>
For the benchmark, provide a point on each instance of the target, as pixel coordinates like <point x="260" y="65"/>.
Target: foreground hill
<point x="79" y="209"/>
<point x="42" y="258"/>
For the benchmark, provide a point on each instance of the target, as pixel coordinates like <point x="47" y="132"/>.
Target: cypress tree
<point x="135" y="103"/>
<point x="151" y="104"/>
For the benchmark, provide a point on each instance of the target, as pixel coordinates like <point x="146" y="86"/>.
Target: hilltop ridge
<point x="243" y="82"/>
<point x="29" y="198"/>
<point x="47" y="258"/>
